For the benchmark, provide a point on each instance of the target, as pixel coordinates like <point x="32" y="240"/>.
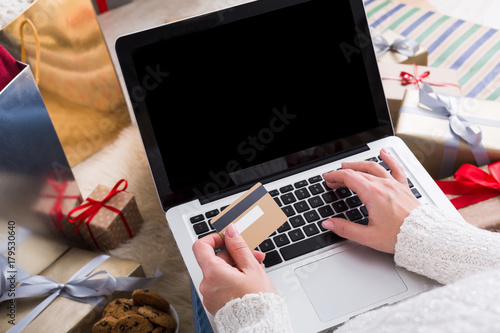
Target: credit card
<point x="255" y="215"/>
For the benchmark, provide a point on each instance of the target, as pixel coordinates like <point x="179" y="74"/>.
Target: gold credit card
<point x="255" y="215"/>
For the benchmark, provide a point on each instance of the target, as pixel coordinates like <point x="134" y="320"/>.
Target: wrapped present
<point x="69" y="295"/>
<point x="394" y="48"/>
<point x="445" y="131"/>
<point x="396" y="78"/>
<point x="475" y="192"/>
<point x="110" y="216"/>
<point x="102" y="6"/>
<point x="57" y="198"/>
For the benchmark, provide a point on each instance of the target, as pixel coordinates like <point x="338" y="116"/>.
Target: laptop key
<point x="281" y="240"/>
<point x="272" y="258"/>
<point x="284" y="227"/>
<point x="197" y="218"/>
<point x="288" y="198"/>
<point x="301" y="206"/>
<point x="267" y="245"/>
<point x="286" y="188"/>
<point x="364" y="211"/>
<point x="296" y="235"/>
<point x="353" y="201"/>
<point x="310" y="229"/>
<point x="274" y="193"/>
<point x="300" y="184"/>
<point x="326" y="211"/>
<point x="329" y="196"/>
<point x="315" y="179"/>
<point x="416" y="193"/>
<point x="200" y="228"/>
<point x="353" y="215"/>
<point x="297" y="221"/>
<point x="311" y="216"/>
<point x="343" y="192"/>
<point x="316" y="189"/>
<point x="302" y="193"/>
<point x="288" y="210"/>
<point x="211" y="213"/>
<point x="309" y="244"/>
<point x="315" y="202"/>
<point x="278" y="201"/>
<point x="339" y="206"/>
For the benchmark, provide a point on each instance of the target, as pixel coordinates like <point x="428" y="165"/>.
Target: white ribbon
<point x="446" y="107"/>
<point x="405" y="46"/>
<point x="80" y="287"/>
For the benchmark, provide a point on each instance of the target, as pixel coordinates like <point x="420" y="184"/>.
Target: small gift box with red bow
<point x="108" y="217"/>
<point x="102" y="6"/>
<point x="396" y="78"/>
<point x="475" y="192"/>
<point x="393" y="48"/>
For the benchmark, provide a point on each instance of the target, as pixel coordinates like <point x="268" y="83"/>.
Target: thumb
<point x="238" y="248"/>
<point x="346" y="229"/>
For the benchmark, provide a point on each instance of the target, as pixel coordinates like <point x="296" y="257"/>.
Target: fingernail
<point x="231" y="231"/>
<point x="328" y="224"/>
<point x="385" y="151"/>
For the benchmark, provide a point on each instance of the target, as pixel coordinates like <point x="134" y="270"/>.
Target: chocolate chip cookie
<point x="120" y="307"/>
<point x="148" y="297"/>
<point x="157" y="317"/>
<point x="132" y="324"/>
<point x="104" y="325"/>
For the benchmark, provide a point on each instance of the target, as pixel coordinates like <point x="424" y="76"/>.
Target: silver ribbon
<point x="405" y="46"/>
<point x="80" y="287"/>
<point x="446" y="107"/>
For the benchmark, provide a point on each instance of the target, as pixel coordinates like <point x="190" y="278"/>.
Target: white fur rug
<point x="154" y="246"/>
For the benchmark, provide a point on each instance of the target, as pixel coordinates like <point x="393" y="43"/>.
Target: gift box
<point x="396" y="78"/>
<point x="108" y="217"/>
<point x="29" y="251"/>
<point x="475" y="192"/>
<point x="64" y="314"/>
<point x="446" y="131"/>
<point x="56" y="199"/>
<point x="393" y="48"/>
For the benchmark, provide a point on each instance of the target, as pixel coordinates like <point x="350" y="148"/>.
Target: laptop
<point x="277" y="92"/>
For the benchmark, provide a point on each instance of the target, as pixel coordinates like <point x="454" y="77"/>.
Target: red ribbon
<point x="102" y="6"/>
<point x="473" y="184"/>
<point x="92" y="207"/>
<point x="407" y="78"/>
<point x="56" y="210"/>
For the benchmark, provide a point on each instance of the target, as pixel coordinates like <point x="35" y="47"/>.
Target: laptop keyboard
<point x="306" y="203"/>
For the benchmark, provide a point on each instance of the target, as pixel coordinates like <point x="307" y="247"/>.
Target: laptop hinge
<point x="297" y="169"/>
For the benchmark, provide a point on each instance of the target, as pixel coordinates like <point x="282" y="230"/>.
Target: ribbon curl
<point x="92" y="207"/>
<point x="405" y="46"/>
<point x="473" y="184"/>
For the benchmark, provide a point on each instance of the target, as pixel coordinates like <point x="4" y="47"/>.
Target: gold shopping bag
<point x="77" y="78"/>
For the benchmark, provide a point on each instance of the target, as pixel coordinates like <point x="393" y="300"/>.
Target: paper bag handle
<point x="37" y="46"/>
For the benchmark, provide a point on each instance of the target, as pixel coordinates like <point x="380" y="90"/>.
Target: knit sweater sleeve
<point x="432" y="244"/>
<point x="263" y="312"/>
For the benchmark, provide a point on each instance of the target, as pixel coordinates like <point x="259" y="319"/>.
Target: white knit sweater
<point x="463" y="257"/>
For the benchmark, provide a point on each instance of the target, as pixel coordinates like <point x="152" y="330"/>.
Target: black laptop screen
<point x="246" y="97"/>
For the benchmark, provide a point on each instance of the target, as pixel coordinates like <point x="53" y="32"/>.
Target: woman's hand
<point x="386" y="196"/>
<point x="230" y="273"/>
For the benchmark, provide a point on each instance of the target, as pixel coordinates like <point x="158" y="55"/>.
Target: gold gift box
<point x="64" y="314"/>
<point x="107" y="228"/>
<point x="426" y="135"/>
<point x="484" y="214"/>
<point x="419" y="58"/>
<point x="394" y="90"/>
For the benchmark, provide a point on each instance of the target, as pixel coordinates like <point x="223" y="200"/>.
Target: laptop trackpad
<point x="348" y="281"/>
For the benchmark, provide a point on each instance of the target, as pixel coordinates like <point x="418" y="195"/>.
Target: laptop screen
<point x="227" y="98"/>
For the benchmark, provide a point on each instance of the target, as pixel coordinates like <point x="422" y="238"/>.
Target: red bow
<point x="473" y="184"/>
<point x="92" y="207"/>
<point x="407" y="78"/>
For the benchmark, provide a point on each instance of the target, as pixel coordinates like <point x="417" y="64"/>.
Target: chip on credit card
<point x="255" y="215"/>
